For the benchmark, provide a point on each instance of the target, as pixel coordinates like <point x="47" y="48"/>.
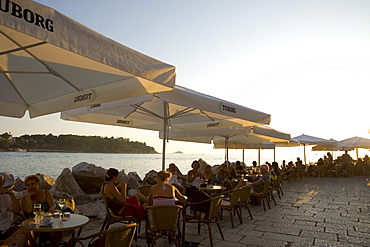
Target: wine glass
<point x="61" y="203"/>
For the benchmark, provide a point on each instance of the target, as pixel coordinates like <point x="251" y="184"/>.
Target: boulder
<point x="67" y="183"/>
<point x="151" y="177"/>
<point x="202" y="164"/>
<point x="9" y="179"/>
<point x="134" y="181"/>
<point x="45" y="181"/>
<point x="89" y="177"/>
<point x="19" y="185"/>
<point x="92" y="209"/>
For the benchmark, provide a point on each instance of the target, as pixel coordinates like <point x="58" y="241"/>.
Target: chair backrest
<point x="144" y="189"/>
<point x="266" y="188"/>
<point x="215" y="206"/>
<point x="120" y="236"/>
<point x="244" y="194"/>
<point x="234" y="196"/>
<point x="164" y="217"/>
<point x="105" y="200"/>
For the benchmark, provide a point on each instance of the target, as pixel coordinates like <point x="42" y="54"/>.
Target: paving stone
<point x="319" y="235"/>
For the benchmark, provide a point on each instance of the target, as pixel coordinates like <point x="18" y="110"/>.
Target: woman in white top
<point x="163" y="193"/>
<point x="194" y="175"/>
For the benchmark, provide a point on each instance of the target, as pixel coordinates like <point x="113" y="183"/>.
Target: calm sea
<point x="22" y="164"/>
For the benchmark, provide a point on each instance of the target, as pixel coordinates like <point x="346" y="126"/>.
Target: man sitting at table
<point x="258" y="185"/>
<point x="9" y="203"/>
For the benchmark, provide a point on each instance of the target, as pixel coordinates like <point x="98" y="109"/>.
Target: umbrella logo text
<point x="29" y="16"/>
<point x="226" y="108"/>
<point x="125" y="122"/>
<point x="86" y="97"/>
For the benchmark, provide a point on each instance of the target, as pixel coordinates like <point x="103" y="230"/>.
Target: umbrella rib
<point x="24" y="48"/>
<point x="15" y="88"/>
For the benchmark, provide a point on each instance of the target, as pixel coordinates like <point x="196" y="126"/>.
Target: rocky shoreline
<point x="81" y="186"/>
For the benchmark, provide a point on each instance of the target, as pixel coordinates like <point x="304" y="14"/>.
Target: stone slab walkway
<point x="313" y="212"/>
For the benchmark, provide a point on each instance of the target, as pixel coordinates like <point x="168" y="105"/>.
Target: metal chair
<point x="163" y="220"/>
<point x="111" y="218"/>
<point x="232" y="205"/>
<point x="116" y="236"/>
<point x="209" y="217"/>
<point x="264" y="195"/>
<point x="244" y="199"/>
<point x="144" y="189"/>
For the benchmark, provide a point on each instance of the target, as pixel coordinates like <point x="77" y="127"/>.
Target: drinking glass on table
<point x="37" y="212"/>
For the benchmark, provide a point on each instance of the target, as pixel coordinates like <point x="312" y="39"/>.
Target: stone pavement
<point x="313" y="212"/>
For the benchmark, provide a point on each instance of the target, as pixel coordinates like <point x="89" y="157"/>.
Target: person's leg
<point x="141" y="198"/>
<point x="19" y="238"/>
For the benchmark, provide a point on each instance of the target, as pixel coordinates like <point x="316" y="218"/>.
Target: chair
<point x="144" y="189"/>
<point x="244" y="199"/>
<point x="232" y="205"/>
<point x="164" y="220"/>
<point x="277" y="187"/>
<point x="111" y="218"/>
<point x="116" y="236"/>
<point x="264" y="195"/>
<point x="212" y="216"/>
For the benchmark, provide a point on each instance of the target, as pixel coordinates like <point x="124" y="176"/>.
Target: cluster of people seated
<point x="14" y="235"/>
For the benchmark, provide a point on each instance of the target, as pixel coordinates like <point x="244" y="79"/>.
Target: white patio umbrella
<point x="354" y="143"/>
<point x="255" y="134"/>
<point x="308" y="140"/>
<point x="50" y="63"/>
<point x="178" y="110"/>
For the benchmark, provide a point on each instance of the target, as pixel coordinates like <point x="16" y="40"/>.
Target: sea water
<point x="22" y="164"/>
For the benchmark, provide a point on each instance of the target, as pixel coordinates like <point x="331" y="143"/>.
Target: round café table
<point x="212" y="189"/>
<point x="58" y="225"/>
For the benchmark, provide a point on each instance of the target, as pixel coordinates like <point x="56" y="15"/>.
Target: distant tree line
<point x="74" y="143"/>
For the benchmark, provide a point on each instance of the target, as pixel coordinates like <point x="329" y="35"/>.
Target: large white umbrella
<point x="226" y="137"/>
<point x="309" y="140"/>
<point x="50" y="63"/>
<point x="178" y="110"/>
<point x="354" y="143"/>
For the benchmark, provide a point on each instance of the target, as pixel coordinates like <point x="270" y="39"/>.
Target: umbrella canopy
<point x="354" y="143"/>
<point x="255" y="134"/>
<point x="179" y="110"/>
<point x="309" y="140"/>
<point x="50" y="63"/>
<point x="327" y="146"/>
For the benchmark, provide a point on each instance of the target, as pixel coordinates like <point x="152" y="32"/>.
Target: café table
<point x="58" y="224"/>
<point x="212" y="189"/>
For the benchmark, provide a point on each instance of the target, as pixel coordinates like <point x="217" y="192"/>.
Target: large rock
<point x="151" y="177"/>
<point x="67" y="183"/>
<point x="45" y="181"/>
<point x="19" y="185"/>
<point x="134" y="181"/>
<point x="89" y="177"/>
<point x="92" y="209"/>
<point x="9" y="179"/>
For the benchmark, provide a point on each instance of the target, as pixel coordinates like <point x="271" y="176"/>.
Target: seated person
<point x="139" y="201"/>
<point x="163" y="193"/>
<point x="221" y="175"/>
<point x="258" y="185"/>
<point x="174" y="178"/>
<point x="14" y="235"/>
<point x="207" y="175"/>
<point x="35" y="195"/>
<point x="193" y="179"/>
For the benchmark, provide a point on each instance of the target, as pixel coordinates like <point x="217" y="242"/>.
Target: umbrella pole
<point x="243" y="155"/>
<point x="227" y="149"/>
<point x="304" y="153"/>
<point x="274" y="154"/>
<point x="357" y="153"/>
<point x="165" y="128"/>
<point x="259" y="157"/>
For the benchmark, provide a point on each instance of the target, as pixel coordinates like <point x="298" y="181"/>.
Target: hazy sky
<point x="307" y="63"/>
